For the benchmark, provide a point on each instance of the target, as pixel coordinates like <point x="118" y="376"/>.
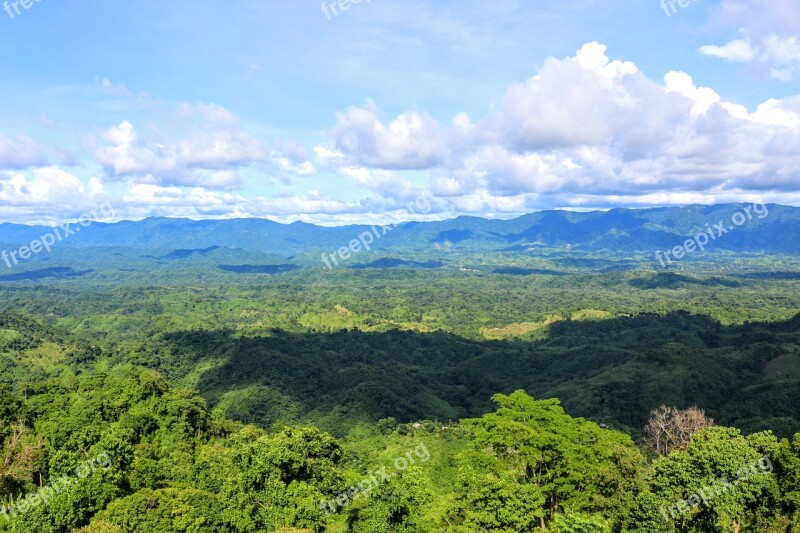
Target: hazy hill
<point x="617" y="230"/>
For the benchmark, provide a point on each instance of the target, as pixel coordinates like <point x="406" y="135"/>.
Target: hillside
<point x="626" y="230"/>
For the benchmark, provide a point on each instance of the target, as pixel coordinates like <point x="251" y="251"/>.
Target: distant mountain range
<point x="625" y="230"/>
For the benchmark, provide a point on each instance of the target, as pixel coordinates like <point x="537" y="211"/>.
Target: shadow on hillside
<point x="43" y="273"/>
<point x="612" y="371"/>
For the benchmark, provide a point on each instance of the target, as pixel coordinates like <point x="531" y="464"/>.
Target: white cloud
<point x="463" y="123"/>
<point x="410" y="141"/>
<point x="771" y="31"/>
<point x="290" y="159"/>
<point x="561" y="105"/>
<point x="144" y="200"/>
<point x="587" y="130"/>
<point x="221" y="149"/>
<point x="772" y="113"/>
<point x="505" y="172"/>
<point x="127" y="154"/>
<point x="703" y="97"/>
<point x="212" y="153"/>
<point x="782" y="50"/>
<point x="781" y="54"/>
<point x="47" y="195"/>
<point x="291" y="167"/>
<point x="583" y="131"/>
<point x="739" y="50"/>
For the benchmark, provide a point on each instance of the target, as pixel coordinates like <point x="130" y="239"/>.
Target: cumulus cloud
<point x="585" y="130"/>
<point x="559" y="106"/>
<point x="47" y="195"/>
<point x="182" y="162"/>
<point x="410" y="141"/>
<point x="211" y="155"/>
<point x="587" y="123"/>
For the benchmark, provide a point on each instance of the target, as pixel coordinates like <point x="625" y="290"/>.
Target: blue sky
<point x="273" y="109"/>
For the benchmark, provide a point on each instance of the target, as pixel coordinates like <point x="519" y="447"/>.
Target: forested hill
<point x="154" y="457"/>
<point x="745" y="227"/>
<point x="174" y="376"/>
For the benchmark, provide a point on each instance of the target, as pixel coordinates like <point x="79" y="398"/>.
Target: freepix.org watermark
<point x="712" y="233"/>
<point x="13" y="8"/>
<point x="60" y="233"/>
<point x="12" y="509"/>
<point x="718" y="488"/>
<point x="364" y="242"/>
<point x="669" y="5"/>
<point x="366" y="485"/>
<point x="342" y="5"/>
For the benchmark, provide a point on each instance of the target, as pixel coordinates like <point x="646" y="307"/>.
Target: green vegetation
<point x="241" y="400"/>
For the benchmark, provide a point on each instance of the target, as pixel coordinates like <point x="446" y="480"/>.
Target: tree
<point x="20" y="457"/>
<point x="393" y="507"/>
<point x="787" y="467"/>
<point x="723" y="482"/>
<point x="574" y="464"/>
<point x="273" y="482"/>
<point x="580" y="523"/>
<point x="672" y="429"/>
<point x="164" y="511"/>
<point x="497" y="502"/>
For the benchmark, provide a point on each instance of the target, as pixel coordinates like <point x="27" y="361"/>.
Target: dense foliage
<point x="196" y="399"/>
<point x="174" y="466"/>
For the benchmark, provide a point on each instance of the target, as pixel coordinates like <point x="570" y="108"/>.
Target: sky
<point x="296" y="110"/>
